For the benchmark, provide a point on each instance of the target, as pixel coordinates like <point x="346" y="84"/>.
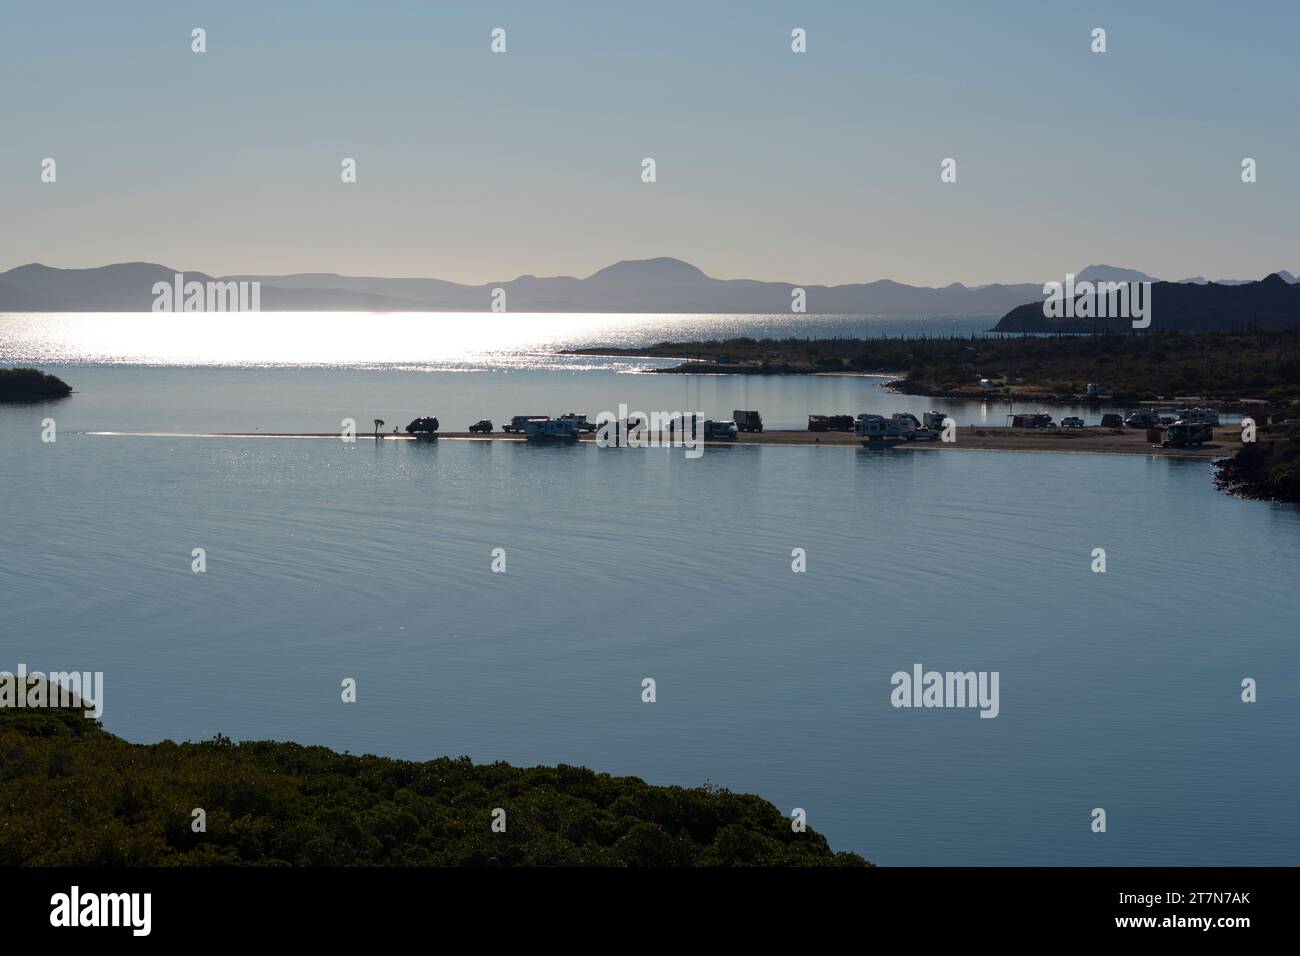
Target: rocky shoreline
<point x="1266" y="470"/>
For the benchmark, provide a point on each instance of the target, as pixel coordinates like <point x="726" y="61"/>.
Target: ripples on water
<point x="328" y="560"/>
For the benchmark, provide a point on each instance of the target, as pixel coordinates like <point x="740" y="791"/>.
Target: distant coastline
<point x="1256" y="370"/>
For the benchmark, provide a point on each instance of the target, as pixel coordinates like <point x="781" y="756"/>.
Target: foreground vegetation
<point x="1268" y="469"/>
<point x="30" y="385"/>
<point x="73" y="794"/>
<point x="1220" y="366"/>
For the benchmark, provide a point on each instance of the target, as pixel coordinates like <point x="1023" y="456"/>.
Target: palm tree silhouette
<point x="379" y="423"/>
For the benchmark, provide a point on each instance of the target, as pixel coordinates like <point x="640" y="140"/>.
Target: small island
<point x="31" y="385"/>
<point x="73" y="794"/>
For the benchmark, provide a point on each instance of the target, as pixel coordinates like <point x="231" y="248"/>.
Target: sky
<point x="815" y="167"/>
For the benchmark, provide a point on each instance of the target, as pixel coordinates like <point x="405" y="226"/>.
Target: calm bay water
<point x="328" y="560"/>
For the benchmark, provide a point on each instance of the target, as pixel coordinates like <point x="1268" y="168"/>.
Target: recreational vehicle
<point x="1199" y="416"/>
<point x="1142" y="419"/>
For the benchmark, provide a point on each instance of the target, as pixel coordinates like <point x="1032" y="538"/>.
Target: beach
<point x="1108" y="441"/>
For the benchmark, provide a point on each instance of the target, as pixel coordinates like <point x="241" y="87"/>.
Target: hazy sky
<point x="815" y="167"/>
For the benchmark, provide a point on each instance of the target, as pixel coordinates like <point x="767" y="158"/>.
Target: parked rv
<point x="578" y="421"/>
<point x="1199" y="416"/>
<point x="747" y="421"/>
<point x="912" y="428"/>
<point x="1142" y="419"/>
<point x="934" y="420"/>
<point x="1031" y="420"/>
<point x="519" y="424"/>
<point x="830" y="423"/>
<point x="1111" y="420"/>
<point x="876" y="431"/>
<point x="1182" y="434"/>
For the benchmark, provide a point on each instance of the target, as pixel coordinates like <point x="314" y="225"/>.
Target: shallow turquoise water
<point x="326" y="561"/>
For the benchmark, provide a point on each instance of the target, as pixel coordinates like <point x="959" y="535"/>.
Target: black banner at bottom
<point x="335" y="905"/>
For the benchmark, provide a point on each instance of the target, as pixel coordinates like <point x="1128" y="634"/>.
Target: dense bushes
<point x="73" y="794"/>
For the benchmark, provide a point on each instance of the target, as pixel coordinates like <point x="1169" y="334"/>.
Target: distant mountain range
<point x="644" y="285"/>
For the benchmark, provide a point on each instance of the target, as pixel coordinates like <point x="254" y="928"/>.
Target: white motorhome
<point x="875" y="430"/>
<point x="1142" y="419"/>
<point x="1199" y="416"/>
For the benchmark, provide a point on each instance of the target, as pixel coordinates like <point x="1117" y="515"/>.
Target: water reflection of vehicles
<point x="550" y="430"/>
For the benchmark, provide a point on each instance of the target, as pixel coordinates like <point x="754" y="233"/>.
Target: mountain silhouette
<point x="1270" y="303"/>
<point x="661" y="284"/>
